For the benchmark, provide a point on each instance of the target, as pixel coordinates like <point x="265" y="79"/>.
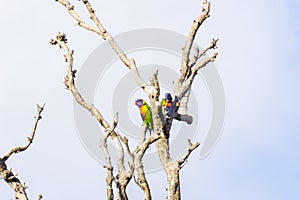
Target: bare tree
<point x="7" y="175"/>
<point x="191" y="63"/>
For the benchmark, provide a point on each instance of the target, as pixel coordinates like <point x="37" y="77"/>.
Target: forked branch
<point x="190" y="40"/>
<point x="198" y="55"/>
<point x="100" y="30"/>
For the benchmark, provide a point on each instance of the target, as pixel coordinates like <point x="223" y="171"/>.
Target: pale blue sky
<point x="257" y="157"/>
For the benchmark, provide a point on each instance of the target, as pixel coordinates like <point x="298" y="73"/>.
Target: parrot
<point x="166" y="103"/>
<point x="145" y="112"/>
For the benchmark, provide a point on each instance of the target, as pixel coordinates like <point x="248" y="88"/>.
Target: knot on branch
<point x="214" y="56"/>
<point x="8" y="176"/>
<point x="70" y="7"/>
<point x="53" y="42"/>
<point x="74" y="73"/>
<point x="30" y="140"/>
<point x="108" y="167"/>
<point x="61" y="37"/>
<point x="67" y="83"/>
<point x="214" y="43"/>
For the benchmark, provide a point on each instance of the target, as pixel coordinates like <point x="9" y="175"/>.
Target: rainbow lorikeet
<point x="145" y="112"/>
<point x="166" y="103"/>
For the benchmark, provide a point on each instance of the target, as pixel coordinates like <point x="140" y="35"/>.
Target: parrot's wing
<point x="148" y="119"/>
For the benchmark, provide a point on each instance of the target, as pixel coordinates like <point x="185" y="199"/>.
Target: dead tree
<point x="7" y="175"/>
<point x="192" y="61"/>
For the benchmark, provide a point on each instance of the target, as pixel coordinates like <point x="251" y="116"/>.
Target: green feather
<point x="148" y="118"/>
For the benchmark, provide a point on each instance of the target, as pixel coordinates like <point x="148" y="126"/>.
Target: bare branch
<point x="212" y="45"/>
<point x="121" y="166"/>
<point x="189" y="69"/>
<point x="199" y="65"/>
<point x="188" y="83"/>
<point x="124" y="140"/>
<point x="183" y="92"/>
<point x="139" y="153"/>
<point x="37" y="117"/>
<point x="123" y="177"/>
<point x="198" y="55"/>
<point x="195" y="57"/>
<point x="12" y="180"/>
<point x="100" y="30"/>
<point x="114" y="123"/>
<point x="107" y="36"/>
<point x="143" y="147"/>
<point x="190" y="40"/>
<point x="192" y="63"/>
<point x="70" y="9"/>
<point x="191" y="148"/>
<point x="61" y="40"/>
<point x="130" y="63"/>
<point x="7" y="174"/>
<point x="184" y="102"/>
<point x="108" y="166"/>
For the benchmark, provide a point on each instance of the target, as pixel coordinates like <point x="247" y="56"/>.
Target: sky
<point x="257" y="156"/>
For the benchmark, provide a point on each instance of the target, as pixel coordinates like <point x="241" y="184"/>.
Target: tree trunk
<point x="171" y="169"/>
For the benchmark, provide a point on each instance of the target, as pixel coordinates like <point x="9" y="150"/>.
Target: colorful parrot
<point x="166" y="103"/>
<point x="145" y="112"/>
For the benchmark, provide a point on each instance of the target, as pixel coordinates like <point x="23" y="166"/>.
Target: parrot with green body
<point x="145" y="112"/>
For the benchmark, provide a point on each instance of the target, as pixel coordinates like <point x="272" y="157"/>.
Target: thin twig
<point x="12" y="180"/>
<point x="190" y="40"/>
<point x="100" y="30"/>
<point x="18" y="149"/>
<point x="191" y="148"/>
<point x="198" y="55"/>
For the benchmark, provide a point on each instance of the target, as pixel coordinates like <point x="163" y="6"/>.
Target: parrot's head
<point x="139" y="102"/>
<point x="168" y="96"/>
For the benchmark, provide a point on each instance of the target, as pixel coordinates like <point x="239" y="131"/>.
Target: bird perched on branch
<point x="145" y="112"/>
<point x="166" y="103"/>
